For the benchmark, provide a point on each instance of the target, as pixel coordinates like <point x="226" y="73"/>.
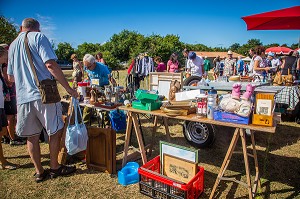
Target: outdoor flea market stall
<point x="248" y="107"/>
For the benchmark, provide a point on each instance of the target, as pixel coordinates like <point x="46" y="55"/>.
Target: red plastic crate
<point x="155" y="185"/>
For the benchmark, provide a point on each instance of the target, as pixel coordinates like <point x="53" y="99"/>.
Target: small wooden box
<point x="263" y="119"/>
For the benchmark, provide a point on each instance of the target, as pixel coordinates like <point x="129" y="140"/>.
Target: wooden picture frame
<point x="178" y="151"/>
<point x="179" y="169"/>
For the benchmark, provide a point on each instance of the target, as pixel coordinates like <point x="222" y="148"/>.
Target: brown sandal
<point x="63" y="170"/>
<point x="41" y="177"/>
<point x="9" y="166"/>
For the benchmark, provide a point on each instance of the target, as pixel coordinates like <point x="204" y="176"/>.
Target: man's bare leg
<point x="34" y="150"/>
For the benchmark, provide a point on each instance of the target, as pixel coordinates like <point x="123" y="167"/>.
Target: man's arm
<point x="57" y="73"/>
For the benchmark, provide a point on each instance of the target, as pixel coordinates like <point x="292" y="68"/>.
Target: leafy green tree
<point x="64" y="51"/>
<point x="254" y="42"/>
<point x="87" y="48"/>
<point x="120" y="45"/>
<point x="8" y="31"/>
<point x="294" y="46"/>
<point x="271" y="45"/>
<point x="111" y="61"/>
<point x="235" y="47"/>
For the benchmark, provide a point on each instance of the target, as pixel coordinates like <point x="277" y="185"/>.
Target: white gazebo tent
<point x="247" y="59"/>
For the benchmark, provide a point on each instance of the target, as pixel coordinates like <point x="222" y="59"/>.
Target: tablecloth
<point x="289" y="95"/>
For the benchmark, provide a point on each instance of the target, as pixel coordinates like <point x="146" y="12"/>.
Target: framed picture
<point x="179" y="169"/>
<point x="178" y="151"/>
<point x="264" y="107"/>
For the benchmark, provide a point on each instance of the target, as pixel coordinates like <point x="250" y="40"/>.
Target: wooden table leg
<point x="167" y="129"/>
<point x="127" y="138"/>
<point x="153" y="134"/>
<point x="243" y="137"/>
<point x="226" y="160"/>
<point x="139" y="137"/>
<point x="257" y="175"/>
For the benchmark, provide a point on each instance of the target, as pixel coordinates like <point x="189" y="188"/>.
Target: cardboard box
<point x="230" y="117"/>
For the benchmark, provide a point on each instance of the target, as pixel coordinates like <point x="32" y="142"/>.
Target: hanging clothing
<point x="144" y="65"/>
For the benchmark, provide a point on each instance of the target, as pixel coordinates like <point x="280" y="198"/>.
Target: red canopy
<point x="279" y="50"/>
<point x="284" y="19"/>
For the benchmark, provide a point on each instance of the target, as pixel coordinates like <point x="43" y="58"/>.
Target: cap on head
<point x="271" y="54"/>
<point x="192" y="55"/>
<point x="229" y="52"/>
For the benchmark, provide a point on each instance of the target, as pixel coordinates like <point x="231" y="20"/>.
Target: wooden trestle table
<point x="132" y="120"/>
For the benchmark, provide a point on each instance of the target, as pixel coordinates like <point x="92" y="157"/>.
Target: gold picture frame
<point x="179" y="169"/>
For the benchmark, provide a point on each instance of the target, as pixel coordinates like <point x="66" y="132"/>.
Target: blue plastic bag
<point x="76" y="135"/>
<point x="118" y="120"/>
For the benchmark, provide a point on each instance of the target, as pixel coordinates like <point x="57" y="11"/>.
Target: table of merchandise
<point x="132" y="120"/>
<point x="97" y="109"/>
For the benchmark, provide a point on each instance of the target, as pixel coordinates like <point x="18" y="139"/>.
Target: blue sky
<point x="212" y="23"/>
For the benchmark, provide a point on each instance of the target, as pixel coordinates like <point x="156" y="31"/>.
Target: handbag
<point x="76" y="134"/>
<point x="47" y="87"/>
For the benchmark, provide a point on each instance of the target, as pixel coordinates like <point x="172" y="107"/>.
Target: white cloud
<point x="47" y="26"/>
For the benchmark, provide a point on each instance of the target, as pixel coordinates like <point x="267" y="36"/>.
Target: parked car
<point x="65" y="64"/>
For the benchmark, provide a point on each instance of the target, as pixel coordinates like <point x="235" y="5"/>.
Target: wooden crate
<point x="161" y="81"/>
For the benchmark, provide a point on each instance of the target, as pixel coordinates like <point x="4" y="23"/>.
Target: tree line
<point x="126" y="45"/>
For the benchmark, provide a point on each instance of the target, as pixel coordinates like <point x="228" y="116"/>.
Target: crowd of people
<point x="21" y="99"/>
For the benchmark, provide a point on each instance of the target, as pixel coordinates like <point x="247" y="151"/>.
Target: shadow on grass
<point x="284" y="136"/>
<point x="27" y="156"/>
<point x="295" y="192"/>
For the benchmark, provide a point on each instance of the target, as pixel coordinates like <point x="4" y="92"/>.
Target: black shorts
<point x="3" y="119"/>
<point x="10" y="107"/>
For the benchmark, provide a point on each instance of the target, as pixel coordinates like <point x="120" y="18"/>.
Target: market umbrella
<point x="279" y="50"/>
<point x="284" y="19"/>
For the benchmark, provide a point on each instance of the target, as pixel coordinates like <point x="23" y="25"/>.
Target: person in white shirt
<point x="273" y="62"/>
<point x="195" y="65"/>
<point x="252" y="54"/>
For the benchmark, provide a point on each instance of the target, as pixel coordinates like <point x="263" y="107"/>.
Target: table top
<point x="194" y="118"/>
<point x="91" y="106"/>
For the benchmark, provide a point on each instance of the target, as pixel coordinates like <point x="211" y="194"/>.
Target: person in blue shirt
<point x="239" y="66"/>
<point x="32" y="114"/>
<point x="96" y="71"/>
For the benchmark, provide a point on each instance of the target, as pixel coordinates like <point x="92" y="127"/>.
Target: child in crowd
<point x="161" y="67"/>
